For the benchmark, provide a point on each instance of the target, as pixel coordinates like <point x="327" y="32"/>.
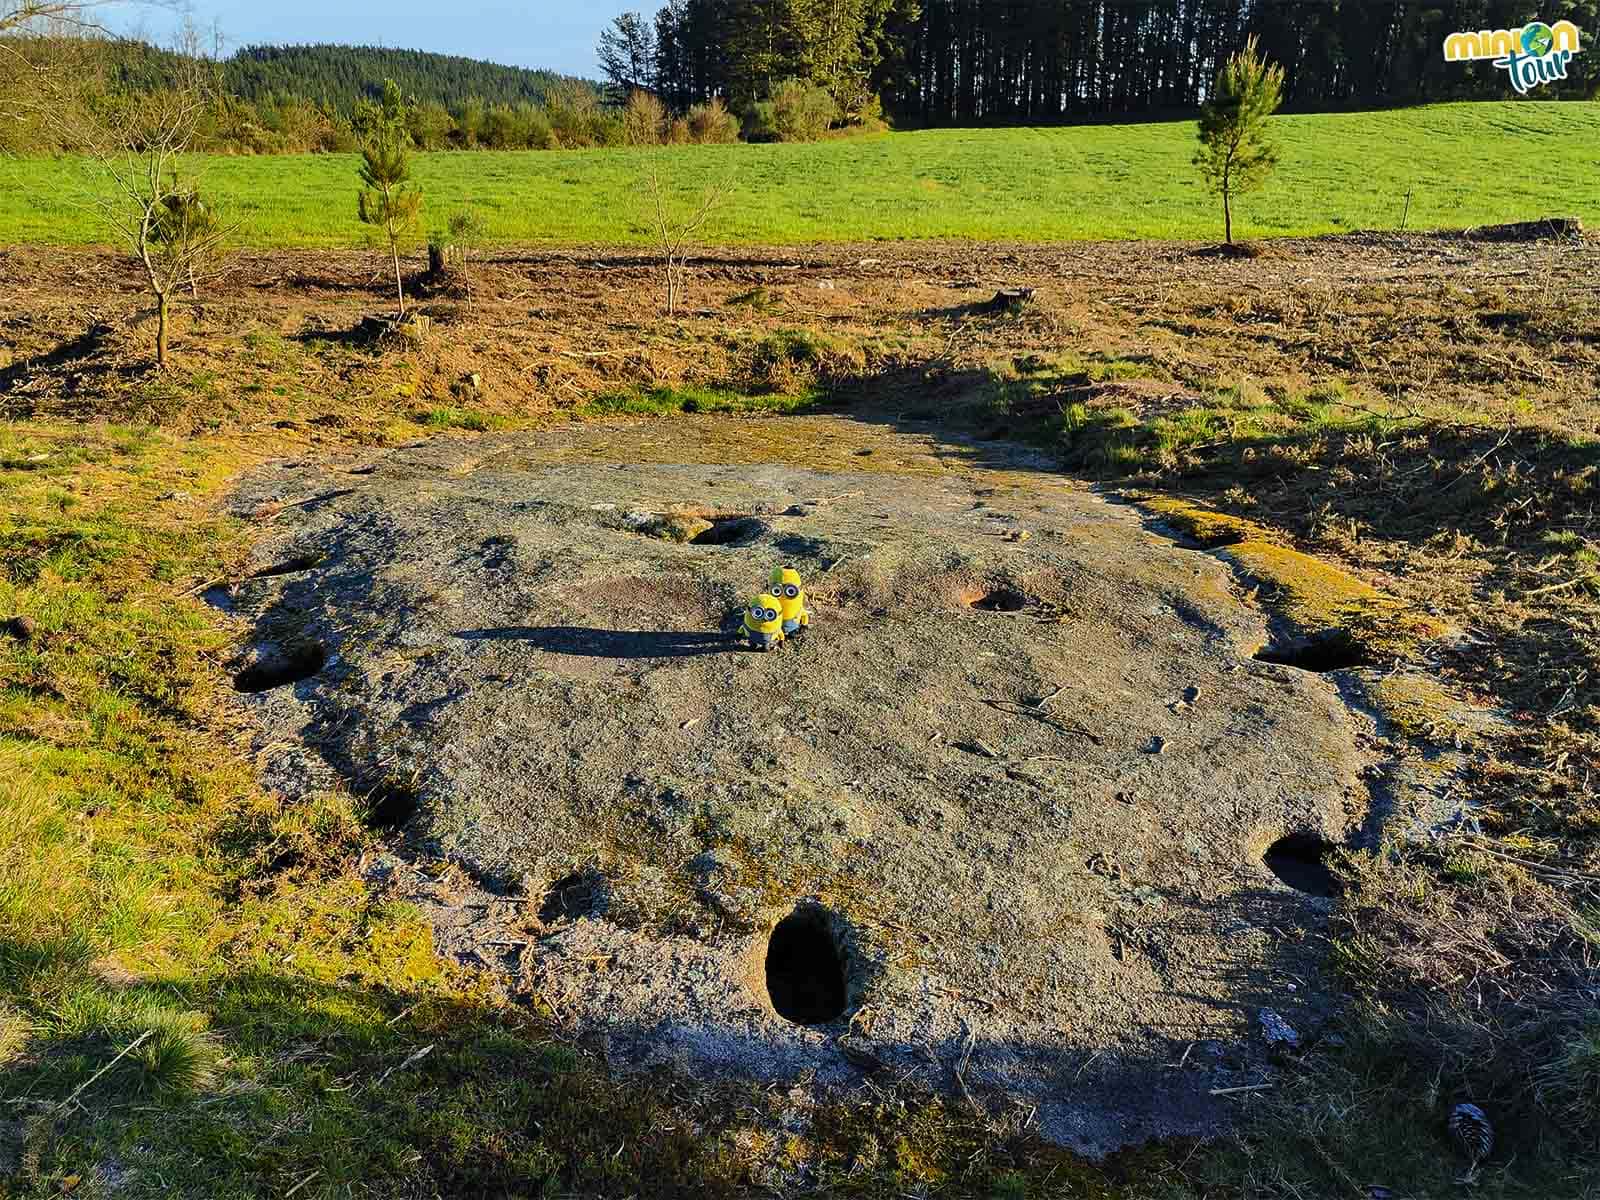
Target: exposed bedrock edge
<point x="1312" y="603"/>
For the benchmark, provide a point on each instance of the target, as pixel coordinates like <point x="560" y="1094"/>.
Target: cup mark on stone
<point x="1332" y="650"/>
<point x="498" y="552"/>
<point x="585" y="893"/>
<point x="806" y="967"/>
<point x="280" y="666"/>
<point x="730" y="531"/>
<point x="1300" y="861"/>
<point x="1004" y="598"/>
<point x="290" y="566"/>
<point x="390" y="806"/>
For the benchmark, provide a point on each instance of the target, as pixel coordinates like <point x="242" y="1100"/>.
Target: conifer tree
<point x="387" y="199"/>
<point x="1235" y="154"/>
<point x="628" y="56"/>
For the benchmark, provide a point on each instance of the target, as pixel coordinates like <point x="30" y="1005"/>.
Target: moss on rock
<point x="1310" y="595"/>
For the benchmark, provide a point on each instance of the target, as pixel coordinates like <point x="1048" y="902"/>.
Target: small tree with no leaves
<point x="45" y="47"/>
<point x="387" y="198"/>
<point x="1235" y="155"/>
<point x="18" y="16"/>
<point x="644" y="120"/>
<point x="675" y="229"/>
<point x="138" y="148"/>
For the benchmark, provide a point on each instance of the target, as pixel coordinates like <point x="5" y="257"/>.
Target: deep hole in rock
<point x="729" y="531"/>
<point x="806" y="969"/>
<point x="289" y="566"/>
<point x="391" y="806"/>
<point x="290" y="665"/>
<point x="1332" y="651"/>
<point x="1002" y="599"/>
<point x="1300" y="861"/>
<point x="580" y="894"/>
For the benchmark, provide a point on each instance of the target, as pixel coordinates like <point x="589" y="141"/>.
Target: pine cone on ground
<point x="1470" y="1127"/>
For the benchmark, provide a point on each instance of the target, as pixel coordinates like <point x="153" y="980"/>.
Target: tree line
<point x="339" y="77"/>
<point x="336" y="78"/>
<point x="138" y="148"/>
<point x="296" y="99"/>
<point x="793" y="69"/>
<point x="976" y="61"/>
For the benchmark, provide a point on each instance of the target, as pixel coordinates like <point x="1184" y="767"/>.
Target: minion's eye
<point x="756" y="613"/>
<point x="792" y="592"/>
<point x="772" y="614"/>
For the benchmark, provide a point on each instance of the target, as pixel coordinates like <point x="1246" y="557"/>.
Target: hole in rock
<point x="1004" y="599"/>
<point x="289" y="566"/>
<point x="729" y="531"/>
<point x="581" y="894"/>
<point x="1300" y="861"/>
<point x="806" y="969"/>
<point x="281" y="667"/>
<point x="391" y="806"/>
<point x="1335" y="650"/>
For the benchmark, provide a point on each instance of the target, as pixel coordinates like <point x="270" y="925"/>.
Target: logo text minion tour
<point x="1534" y="54"/>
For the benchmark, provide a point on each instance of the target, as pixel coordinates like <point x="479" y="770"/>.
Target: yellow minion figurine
<point x="786" y="587"/>
<point x="763" y="622"/>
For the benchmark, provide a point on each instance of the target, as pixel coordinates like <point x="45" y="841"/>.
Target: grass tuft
<point x="177" y="1057"/>
<point x="445" y="417"/>
<point x="1569" y="1084"/>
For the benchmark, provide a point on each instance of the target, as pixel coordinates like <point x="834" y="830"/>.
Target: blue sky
<point x="558" y="34"/>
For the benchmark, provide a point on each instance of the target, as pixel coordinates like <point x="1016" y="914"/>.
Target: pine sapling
<point x="1235" y="154"/>
<point x="387" y="200"/>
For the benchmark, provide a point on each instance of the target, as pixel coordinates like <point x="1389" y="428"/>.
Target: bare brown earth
<point x="548" y="329"/>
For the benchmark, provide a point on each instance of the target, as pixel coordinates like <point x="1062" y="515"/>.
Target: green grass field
<point x="1465" y="164"/>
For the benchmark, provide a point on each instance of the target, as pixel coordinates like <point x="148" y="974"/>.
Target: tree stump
<point x="443" y="257"/>
<point x="1010" y="301"/>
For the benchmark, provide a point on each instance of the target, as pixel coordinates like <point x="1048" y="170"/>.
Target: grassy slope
<point x="1466" y="164"/>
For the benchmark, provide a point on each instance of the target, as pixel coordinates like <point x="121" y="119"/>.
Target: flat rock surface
<point x="1021" y="775"/>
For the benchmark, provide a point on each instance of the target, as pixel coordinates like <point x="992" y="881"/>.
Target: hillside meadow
<point x="1463" y="165"/>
